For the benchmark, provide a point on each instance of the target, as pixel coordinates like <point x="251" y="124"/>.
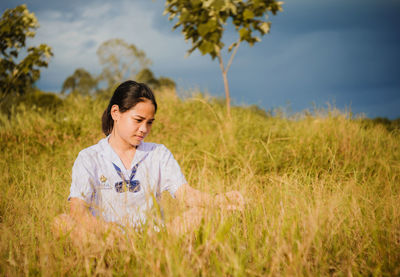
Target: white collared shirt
<point x="94" y="178"/>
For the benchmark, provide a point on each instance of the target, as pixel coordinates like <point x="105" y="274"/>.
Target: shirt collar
<point x="109" y="153"/>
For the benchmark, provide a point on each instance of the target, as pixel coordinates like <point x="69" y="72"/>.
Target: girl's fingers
<point x="233" y="200"/>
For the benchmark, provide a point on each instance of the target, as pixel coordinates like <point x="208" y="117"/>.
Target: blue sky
<point x="341" y="52"/>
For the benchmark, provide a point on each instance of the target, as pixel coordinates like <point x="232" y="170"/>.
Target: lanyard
<point x="131" y="184"/>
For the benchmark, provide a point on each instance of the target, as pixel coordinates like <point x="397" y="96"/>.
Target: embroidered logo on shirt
<point x="104" y="184"/>
<point x="103" y="179"/>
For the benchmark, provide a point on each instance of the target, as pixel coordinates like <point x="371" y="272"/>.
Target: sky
<point x="319" y="53"/>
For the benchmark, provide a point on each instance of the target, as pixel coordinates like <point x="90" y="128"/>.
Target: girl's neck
<point x="120" y="145"/>
<point x="125" y="151"/>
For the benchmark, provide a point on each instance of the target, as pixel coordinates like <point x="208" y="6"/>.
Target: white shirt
<point x="94" y="178"/>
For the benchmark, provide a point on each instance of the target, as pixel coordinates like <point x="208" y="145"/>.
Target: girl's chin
<point x="136" y="143"/>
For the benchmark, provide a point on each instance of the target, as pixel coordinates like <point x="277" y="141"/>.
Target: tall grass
<point x="322" y="193"/>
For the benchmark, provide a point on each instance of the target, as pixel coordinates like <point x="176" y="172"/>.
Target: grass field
<point x="322" y="193"/>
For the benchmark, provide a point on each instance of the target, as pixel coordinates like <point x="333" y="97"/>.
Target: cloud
<point x="76" y="35"/>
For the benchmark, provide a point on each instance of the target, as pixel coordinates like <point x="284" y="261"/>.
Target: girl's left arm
<point x="232" y="200"/>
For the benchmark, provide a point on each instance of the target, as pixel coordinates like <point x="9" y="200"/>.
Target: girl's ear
<point x="115" y="114"/>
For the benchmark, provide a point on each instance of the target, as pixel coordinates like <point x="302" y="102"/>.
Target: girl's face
<point x="135" y="124"/>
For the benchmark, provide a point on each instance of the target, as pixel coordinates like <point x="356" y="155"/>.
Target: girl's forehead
<point x="145" y="108"/>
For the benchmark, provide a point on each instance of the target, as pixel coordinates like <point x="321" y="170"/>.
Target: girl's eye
<point x="150" y="122"/>
<point x="138" y="120"/>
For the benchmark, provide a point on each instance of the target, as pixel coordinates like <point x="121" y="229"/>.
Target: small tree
<point x="203" y="23"/>
<point x="165" y="82"/>
<point x="120" y="61"/>
<point x="81" y="81"/>
<point x="16" y="74"/>
<point x="147" y="76"/>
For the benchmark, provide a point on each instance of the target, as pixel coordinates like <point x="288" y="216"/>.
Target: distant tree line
<point x="20" y="66"/>
<point x="390" y="125"/>
<point x="120" y="61"/>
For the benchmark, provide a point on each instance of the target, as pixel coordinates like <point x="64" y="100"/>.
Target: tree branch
<point x="221" y="62"/>
<point x="232" y="56"/>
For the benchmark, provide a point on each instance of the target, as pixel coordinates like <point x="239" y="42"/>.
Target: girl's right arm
<point x="79" y="211"/>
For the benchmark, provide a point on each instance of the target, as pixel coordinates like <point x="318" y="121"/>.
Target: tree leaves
<point x="16" y="74"/>
<point x="248" y="14"/>
<point x="203" y="22"/>
<point x="244" y="34"/>
<point x="206" y="47"/>
<point x="264" y="27"/>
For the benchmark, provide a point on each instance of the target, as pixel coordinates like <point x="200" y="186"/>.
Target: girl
<point x="117" y="180"/>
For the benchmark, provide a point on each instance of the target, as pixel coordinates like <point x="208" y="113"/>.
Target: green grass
<point x="322" y="193"/>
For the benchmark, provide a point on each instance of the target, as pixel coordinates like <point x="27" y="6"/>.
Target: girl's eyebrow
<point x="141" y="117"/>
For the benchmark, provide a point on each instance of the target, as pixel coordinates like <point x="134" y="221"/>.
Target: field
<point x="322" y="193"/>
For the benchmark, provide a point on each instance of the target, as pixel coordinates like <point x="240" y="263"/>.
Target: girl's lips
<point x="140" y="137"/>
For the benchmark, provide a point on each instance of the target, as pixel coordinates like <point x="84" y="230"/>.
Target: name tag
<point x="105" y="186"/>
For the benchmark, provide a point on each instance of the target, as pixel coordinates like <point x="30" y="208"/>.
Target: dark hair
<point x="126" y="96"/>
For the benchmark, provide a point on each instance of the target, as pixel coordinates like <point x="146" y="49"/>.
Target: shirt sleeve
<point x="171" y="176"/>
<point x="82" y="185"/>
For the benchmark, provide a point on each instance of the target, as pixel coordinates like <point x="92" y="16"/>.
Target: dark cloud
<point x="325" y="52"/>
<point x="311" y="16"/>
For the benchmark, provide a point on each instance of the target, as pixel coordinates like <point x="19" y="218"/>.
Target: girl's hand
<point x="232" y="200"/>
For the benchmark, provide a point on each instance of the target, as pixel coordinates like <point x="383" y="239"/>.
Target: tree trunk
<point x="224" y="75"/>
<point x="227" y="95"/>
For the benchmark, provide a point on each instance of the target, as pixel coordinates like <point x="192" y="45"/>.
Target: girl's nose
<point x="143" y="128"/>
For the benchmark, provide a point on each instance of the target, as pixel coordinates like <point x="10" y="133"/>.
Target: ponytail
<point x="107" y="123"/>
